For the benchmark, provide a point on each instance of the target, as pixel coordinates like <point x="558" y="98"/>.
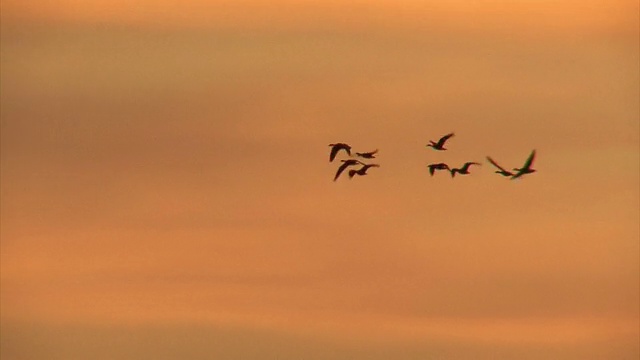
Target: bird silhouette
<point x="346" y="164"/>
<point x="502" y="171"/>
<point x="337" y="147"/>
<point x="464" y="170"/>
<point x="440" y="144"/>
<point x="526" y="168"/>
<point x="438" y="166"/>
<point x="368" y="155"/>
<point x="362" y="171"/>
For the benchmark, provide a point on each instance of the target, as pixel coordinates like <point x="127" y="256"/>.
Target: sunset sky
<point x="166" y="191"/>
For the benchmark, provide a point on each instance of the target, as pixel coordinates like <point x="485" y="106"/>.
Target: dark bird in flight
<point x="368" y="155"/>
<point x="501" y="170"/>
<point x="439" y="166"/>
<point x="337" y="147"/>
<point x="464" y="170"/>
<point x="346" y="164"/>
<point x="362" y="171"/>
<point x="440" y="144"/>
<point x="526" y="168"/>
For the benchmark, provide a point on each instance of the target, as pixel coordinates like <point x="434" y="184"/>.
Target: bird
<point x="362" y="171"/>
<point x="346" y="164"/>
<point x="368" y="155"/>
<point x="526" y="168"/>
<point x="440" y="144"/>
<point x="337" y="147"/>
<point x="502" y="171"/>
<point x="439" y="166"/>
<point x="464" y="170"/>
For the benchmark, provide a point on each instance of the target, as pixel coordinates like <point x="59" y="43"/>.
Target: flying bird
<point x="439" y="166"/>
<point x="346" y="164"/>
<point x="368" y="155"/>
<point x="337" y="147"/>
<point x="501" y="170"/>
<point x="526" y="168"/>
<point x="464" y="170"/>
<point x="362" y="171"/>
<point x="440" y="144"/>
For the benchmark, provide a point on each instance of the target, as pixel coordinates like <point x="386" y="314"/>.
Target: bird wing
<point x="496" y="164"/>
<point x="369" y="154"/>
<point x="338" y="147"/>
<point x="347" y="148"/>
<point x="432" y="169"/>
<point x="527" y="165"/>
<point x="334" y="151"/>
<point x="341" y="169"/>
<point x="467" y="165"/>
<point x="441" y="166"/>
<point x="444" y="139"/>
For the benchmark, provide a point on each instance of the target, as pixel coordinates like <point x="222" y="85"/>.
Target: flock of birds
<point x="335" y="148"/>
<point x="439" y="146"/>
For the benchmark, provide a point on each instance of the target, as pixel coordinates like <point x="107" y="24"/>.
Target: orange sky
<point x="523" y="15"/>
<point x="165" y="188"/>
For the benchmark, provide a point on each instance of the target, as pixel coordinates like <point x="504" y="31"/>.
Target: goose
<point x="440" y="144"/>
<point x="502" y="171"/>
<point x="337" y="147"/>
<point x="464" y="170"/>
<point x="439" y="166"/>
<point x="346" y="164"/>
<point x="368" y="155"/>
<point x="526" y="168"/>
<point x="362" y="171"/>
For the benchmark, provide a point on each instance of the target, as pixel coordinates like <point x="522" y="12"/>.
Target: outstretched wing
<point x="346" y="164"/>
<point x="367" y="155"/>
<point x="341" y="169"/>
<point x="468" y="164"/>
<point x="337" y="147"/>
<point x="527" y="165"/>
<point x="432" y="169"/>
<point x="444" y="139"/>
<point x="496" y="164"/>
